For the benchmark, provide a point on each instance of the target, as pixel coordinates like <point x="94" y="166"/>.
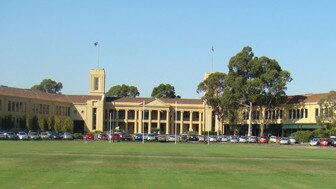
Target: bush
<point x="210" y="133"/>
<point x="77" y="136"/>
<point x="303" y="136"/>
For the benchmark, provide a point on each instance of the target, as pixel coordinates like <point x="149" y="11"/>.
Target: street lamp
<point x="143" y="122"/>
<point x="175" y="120"/>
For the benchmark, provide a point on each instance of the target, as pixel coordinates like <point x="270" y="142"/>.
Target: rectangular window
<point x="21" y="107"/>
<point x="9" y="106"/>
<point x="47" y="109"/>
<point x="13" y="106"/>
<point x="306" y="113"/>
<point x="302" y="113"/>
<point x="17" y="106"/>
<point x="96" y="83"/>
<point x="316" y="112"/>
<point x="266" y="114"/>
<point x="94" y="118"/>
<point x="68" y="111"/>
<point x="290" y="114"/>
<point x="273" y="114"/>
<point x="280" y="114"/>
<point x="0" y="105"/>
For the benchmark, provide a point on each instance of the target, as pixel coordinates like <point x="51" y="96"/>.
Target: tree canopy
<point x="250" y="81"/>
<point x="49" y="86"/>
<point x="123" y="91"/>
<point x="164" y="91"/>
<point x="328" y="113"/>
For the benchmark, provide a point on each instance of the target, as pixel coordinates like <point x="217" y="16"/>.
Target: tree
<point x="252" y="80"/>
<point x="328" y="113"/>
<point x="217" y="96"/>
<point x="123" y="91"/>
<point x="67" y="125"/>
<point x="164" y="91"/>
<point x="49" y="86"/>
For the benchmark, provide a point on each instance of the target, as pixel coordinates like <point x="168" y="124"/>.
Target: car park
<point x="45" y="135"/>
<point x="263" y="139"/>
<point x="284" y="140"/>
<point x="212" y="138"/>
<point x="242" y="139"/>
<point x="102" y="136"/>
<point x="252" y="139"/>
<point x="57" y="135"/>
<point x="314" y="142"/>
<point x="22" y="135"/>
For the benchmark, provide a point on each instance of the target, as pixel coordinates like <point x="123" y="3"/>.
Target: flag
<point x="212" y="49"/>
<point x="96" y="43"/>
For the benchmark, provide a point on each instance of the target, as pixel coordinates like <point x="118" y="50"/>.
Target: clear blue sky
<point x="148" y="42"/>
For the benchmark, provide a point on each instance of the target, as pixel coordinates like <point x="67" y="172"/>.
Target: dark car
<point x="57" y="135"/>
<point x="89" y="136"/>
<point x="192" y="138"/>
<point x="125" y="137"/>
<point x="10" y="135"/>
<point x="137" y="137"/>
<point x="33" y="135"/>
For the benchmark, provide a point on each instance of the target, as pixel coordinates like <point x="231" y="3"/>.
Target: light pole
<point x="110" y="127"/>
<point x="113" y="126"/>
<point x="175" y="120"/>
<point x="143" y="122"/>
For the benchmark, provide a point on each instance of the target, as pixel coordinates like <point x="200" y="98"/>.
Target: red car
<point x="263" y="139"/>
<point x="325" y="142"/>
<point x="102" y="136"/>
<point x="89" y="136"/>
<point x="116" y="137"/>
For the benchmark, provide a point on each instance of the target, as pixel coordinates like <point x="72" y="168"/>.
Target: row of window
<point x="42" y="109"/>
<point x="298" y="113"/>
<point x="278" y="114"/>
<point x="17" y="106"/>
<point x="62" y="111"/>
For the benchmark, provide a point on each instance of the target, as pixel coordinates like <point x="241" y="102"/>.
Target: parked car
<point x="67" y="136"/>
<point x="33" y="135"/>
<point x="137" y="137"/>
<point x="102" y="136"/>
<point x="272" y="139"/>
<point x="252" y="139"/>
<point x="263" y="139"/>
<point x="116" y="137"/>
<point x="125" y="137"/>
<point x="325" y="142"/>
<point x="183" y="138"/>
<point x="2" y="136"/>
<point x="233" y="139"/>
<point x="10" y="135"/>
<point x="314" y="142"/>
<point x="284" y="140"/>
<point x="162" y="138"/>
<point x="192" y="138"/>
<point x="213" y="138"/>
<point x="223" y="138"/>
<point x="151" y="137"/>
<point x="333" y="142"/>
<point x="242" y="139"/>
<point x="45" y="135"/>
<point x="171" y="138"/>
<point x="57" y="135"/>
<point x="89" y="136"/>
<point x="22" y="135"/>
<point x="201" y="138"/>
<point x="292" y="140"/>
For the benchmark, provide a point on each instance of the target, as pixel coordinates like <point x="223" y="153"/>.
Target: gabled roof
<point x="148" y="100"/>
<point x="39" y="95"/>
<point x="307" y="98"/>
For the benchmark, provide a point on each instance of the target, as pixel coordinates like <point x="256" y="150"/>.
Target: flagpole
<point x="212" y="52"/>
<point x="175" y="120"/>
<point x="98" y="54"/>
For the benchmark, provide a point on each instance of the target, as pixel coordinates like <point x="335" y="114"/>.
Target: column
<point x="149" y="121"/>
<point x="140" y="122"/>
<point x="167" y="122"/>
<point x="181" y="122"/>
<point x="190" y="119"/>
<point x="200" y="123"/>
<point x="126" y="120"/>
<point x="136" y="121"/>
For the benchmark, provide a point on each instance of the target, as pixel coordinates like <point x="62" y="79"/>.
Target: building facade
<point x="95" y="112"/>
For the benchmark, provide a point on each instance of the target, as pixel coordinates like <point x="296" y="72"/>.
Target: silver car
<point x="33" y="136"/>
<point x="2" y="136"/>
<point x="292" y="140"/>
<point x="314" y="142"/>
<point x="22" y="135"/>
<point x="171" y="138"/>
<point x="242" y="139"/>
<point x="252" y="139"/>
<point x="11" y="135"/>
<point x="67" y="136"/>
<point x="223" y="138"/>
<point x="233" y="139"/>
<point x="284" y="140"/>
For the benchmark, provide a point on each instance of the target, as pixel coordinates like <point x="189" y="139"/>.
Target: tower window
<point x="96" y="83"/>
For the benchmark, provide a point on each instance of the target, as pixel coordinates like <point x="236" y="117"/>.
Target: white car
<point x="223" y="138"/>
<point x="233" y="139"/>
<point x="252" y="139"/>
<point x="314" y="142"/>
<point x="242" y="139"/>
<point x="22" y="136"/>
<point x="212" y="138"/>
<point x="292" y="140"/>
<point x="272" y="139"/>
<point x="284" y="140"/>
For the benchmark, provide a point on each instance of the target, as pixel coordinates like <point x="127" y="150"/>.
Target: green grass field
<point x="76" y="164"/>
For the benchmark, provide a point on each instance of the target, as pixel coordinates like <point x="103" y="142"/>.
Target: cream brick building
<point x="94" y="111"/>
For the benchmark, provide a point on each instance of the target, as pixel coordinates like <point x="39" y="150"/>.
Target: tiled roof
<point x="307" y="98"/>
<point x="27" y="93"/>
<point x="148" y="100"/>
